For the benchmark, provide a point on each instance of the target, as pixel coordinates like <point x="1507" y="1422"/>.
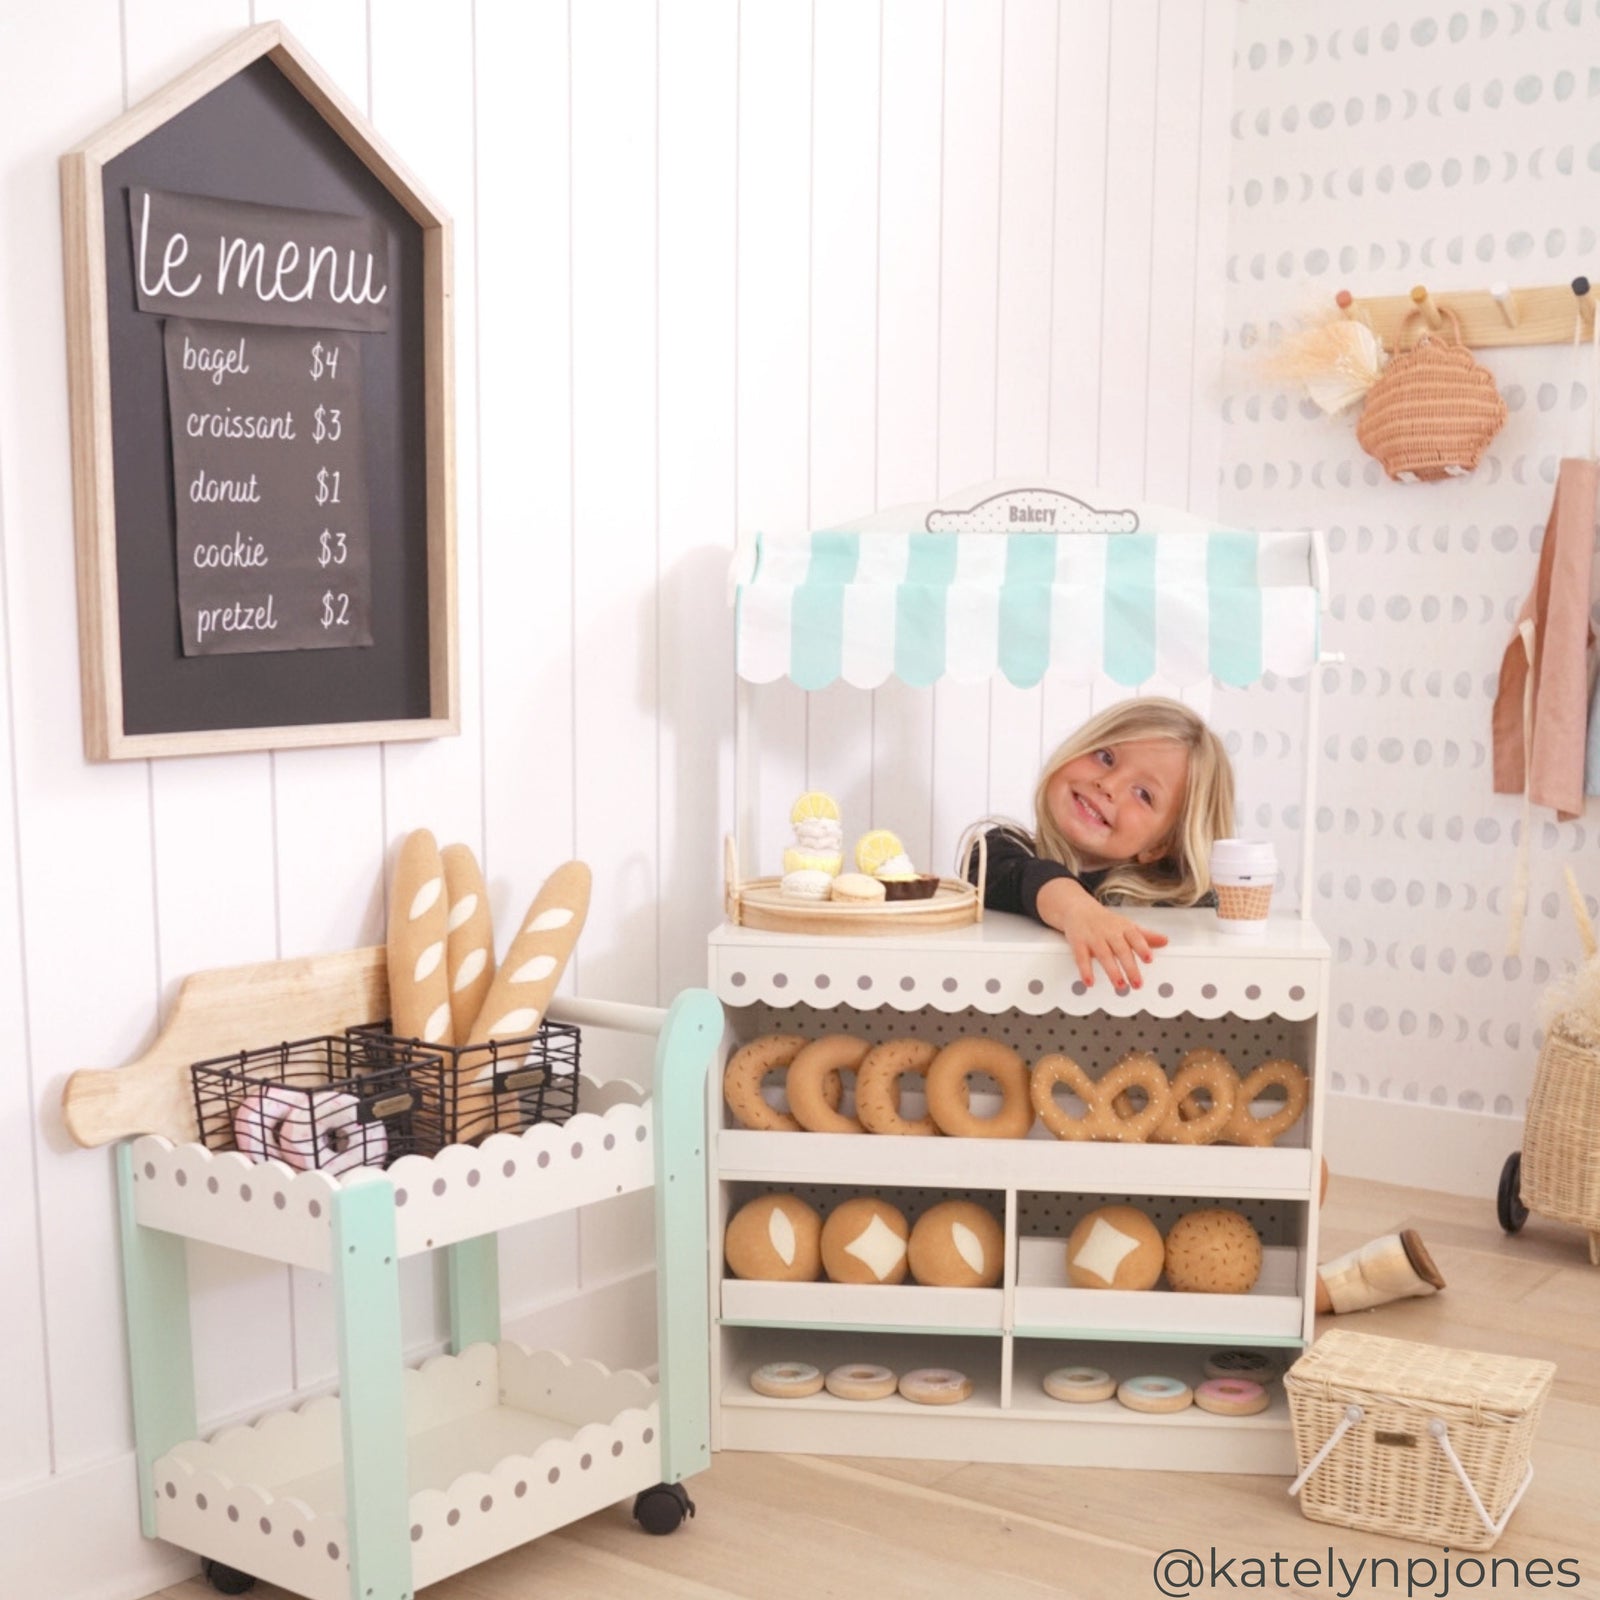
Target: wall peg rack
<point x="1547" y="314"/>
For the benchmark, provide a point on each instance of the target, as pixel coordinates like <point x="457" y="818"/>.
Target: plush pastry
<point x="806" y="884"/>
<point x="948" y="1100"/>
<point x="957" y="1244"/>
<point x="775" y="1237"/>
<point x="1079" y="1385"/>
<point x="876" y="850"/>
<point x="861" y="1381"/>
<point x="864" y="1241"/>
<point x="748" y="1067"/>
<point x="1249" y="1364"/>
<point x="814" y="1087"/>
<point x="855" y="888"/>
<point x="1155" y="1394"/>
<point x="469" y="949"/>
<point x="1244" y="1126"/>
<point x="786" y="1380"/>
<point x="1204" y="1089"/>
<point x="827" y="862"/>
<point x="538" y="955"/>
<point x="878" y="1086"/>
<point x="936" y="1386"/>
<point x="1115" y="1247"/>
<point x="1231" y="1397"/>
<point x="419" y="925"/>
<point x="1213" y="1251"/>
<point x="1136" y="1070"/>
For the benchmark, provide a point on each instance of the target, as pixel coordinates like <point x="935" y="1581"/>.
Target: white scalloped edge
<point x="267" y="1209"/>
<point x="956" y="985"/>
<point x="208" y="1499"/>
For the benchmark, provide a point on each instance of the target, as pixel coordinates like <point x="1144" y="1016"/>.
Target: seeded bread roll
<point x="419" y="989"/>
<point x="533" y="965"/>
<point x="469" y="953"/>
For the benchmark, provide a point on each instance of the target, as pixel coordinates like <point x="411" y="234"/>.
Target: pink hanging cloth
<point x="1542" y="708"/>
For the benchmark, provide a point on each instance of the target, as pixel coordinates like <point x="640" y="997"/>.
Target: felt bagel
<point x="812" y="1071"/>
<point x="949" y="1102"/>
<point x="878" y="1085"/>
<point x="742" y="1079"/>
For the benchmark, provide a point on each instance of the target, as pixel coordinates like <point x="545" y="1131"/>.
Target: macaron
<point x="856" y="888"/>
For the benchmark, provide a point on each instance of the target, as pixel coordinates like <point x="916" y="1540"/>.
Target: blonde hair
<point x="1183" y="875"/>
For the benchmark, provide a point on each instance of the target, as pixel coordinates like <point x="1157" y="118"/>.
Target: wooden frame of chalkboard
<point x="256" y="122"/>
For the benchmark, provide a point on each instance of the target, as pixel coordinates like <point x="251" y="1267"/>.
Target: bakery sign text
<point x="234" y="261"/>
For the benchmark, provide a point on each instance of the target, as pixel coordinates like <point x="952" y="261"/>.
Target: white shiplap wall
<point x="717" y="267"/>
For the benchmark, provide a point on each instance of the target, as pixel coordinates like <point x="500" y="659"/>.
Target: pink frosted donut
<point x="1231" y="1397"/>
<point x="258" y="1123"/>
<point x="318" y="1130"/>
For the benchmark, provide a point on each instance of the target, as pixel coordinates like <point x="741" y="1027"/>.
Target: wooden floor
<point x="771" y="1527"/>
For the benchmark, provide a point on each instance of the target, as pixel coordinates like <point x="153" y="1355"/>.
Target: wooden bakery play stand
<point x="403" y="1477"/>
<point x="1231" y="606"/>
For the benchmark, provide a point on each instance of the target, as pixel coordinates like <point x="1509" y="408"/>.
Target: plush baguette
<point x="469" y="953"/>
<point x="419" y="989"/>
<point x="537" y="957"/>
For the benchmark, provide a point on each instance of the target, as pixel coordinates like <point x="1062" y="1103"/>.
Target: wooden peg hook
<point x="1580" y="287"/>
<point x="1503" y="297"/>
<point x="1424" y="303"/>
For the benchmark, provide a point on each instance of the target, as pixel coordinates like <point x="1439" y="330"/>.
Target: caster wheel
<point x="225" y="1580"/>
<point x="663" y="1508"/>
<point x="1509" y="1201"/>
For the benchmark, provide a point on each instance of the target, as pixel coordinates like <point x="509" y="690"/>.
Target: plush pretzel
<point x="1245" y="1127"/>
<point x="1201" y="1072"/>
<point x="878" y="1085"/>
<point x="749" y="1065"/>
<point x="419" y="987"/>
<point x="1136" y="1070"/>
<point x="469" y="952"/>
<point x="947" y="1090"/>
<point x="814" y="1072"/>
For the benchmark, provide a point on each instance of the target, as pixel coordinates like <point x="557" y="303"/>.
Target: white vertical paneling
<point x="25" y="1441"/>
<point x="1211" y="248"/>
<point x="83" y="835"/>
<point x="614" y="489"/>
<point x="422" y="103"/>
<point x="162" y="38"/>
<point x="968" y="301"/>
<point x="525" y="468"/>
<point x="909" y="191"/>
<point x="1174" y="243"/>
<point x="698" y="174"/>
<point x="844" y="293"/>
<point x="1022" y="354"/>
<point x="335" y="34"/>
<point x="1128" y="266"/>
<point x="774" y="360"/>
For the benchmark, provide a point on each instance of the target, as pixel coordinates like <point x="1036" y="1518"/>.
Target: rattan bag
<point x="1432" y="410"/>
<point x="1561" y="1139"/>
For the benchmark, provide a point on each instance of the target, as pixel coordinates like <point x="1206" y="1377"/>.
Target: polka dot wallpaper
<point x="1375" y="146"/>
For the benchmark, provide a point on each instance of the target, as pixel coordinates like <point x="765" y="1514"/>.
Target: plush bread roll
<point x="419" y="989"/>
<point x="537" y="957"/>
<point x="469" y="952"/>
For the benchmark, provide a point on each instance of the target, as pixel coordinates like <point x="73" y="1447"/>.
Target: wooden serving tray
<point x="761" y="904"/>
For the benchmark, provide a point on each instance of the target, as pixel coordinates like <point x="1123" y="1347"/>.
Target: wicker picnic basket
<point x="1561" y="1138"/>
<point x="1408" y="1439"/>
<point x="1432" y="410"/>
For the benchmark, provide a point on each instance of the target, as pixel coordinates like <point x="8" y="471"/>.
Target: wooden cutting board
<point x="217" y="1012"/>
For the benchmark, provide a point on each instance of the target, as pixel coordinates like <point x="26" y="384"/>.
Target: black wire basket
<point x="332" y="1102"/>
<point x="503" y="1086"/>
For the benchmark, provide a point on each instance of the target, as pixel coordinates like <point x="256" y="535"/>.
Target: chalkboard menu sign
<point x="259" y="341"/>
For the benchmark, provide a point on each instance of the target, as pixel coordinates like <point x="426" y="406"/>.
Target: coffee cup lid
<point x="1244" y="855"/>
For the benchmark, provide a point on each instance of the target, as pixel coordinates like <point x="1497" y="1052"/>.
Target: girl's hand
<point x="1098" y="933"/>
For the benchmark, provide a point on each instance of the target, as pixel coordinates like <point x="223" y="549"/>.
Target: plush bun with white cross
<point x="419" y="985"/>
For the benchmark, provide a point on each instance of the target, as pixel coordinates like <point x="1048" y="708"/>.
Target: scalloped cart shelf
<point x="405" y="1477"/>
<point x="885" y="598"/>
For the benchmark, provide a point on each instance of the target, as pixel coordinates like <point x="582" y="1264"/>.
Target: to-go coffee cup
<point x="1243" y="872"/>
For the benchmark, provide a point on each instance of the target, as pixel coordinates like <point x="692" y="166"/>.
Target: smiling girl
<point x="1125" y="814"/>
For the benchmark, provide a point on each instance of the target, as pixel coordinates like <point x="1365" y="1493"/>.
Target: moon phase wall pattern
<point x="1375" y="146"/>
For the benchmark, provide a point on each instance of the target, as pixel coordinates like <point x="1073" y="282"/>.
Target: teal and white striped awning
<point x="1175" y="608"/>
